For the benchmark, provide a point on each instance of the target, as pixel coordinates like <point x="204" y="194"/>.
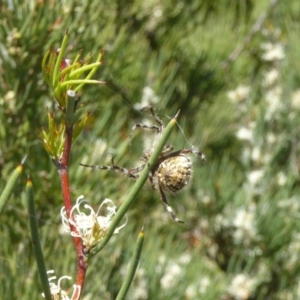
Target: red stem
<point x="65" y="186"/>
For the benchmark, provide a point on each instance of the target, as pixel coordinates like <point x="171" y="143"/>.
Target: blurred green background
<point x="232" y="67"/>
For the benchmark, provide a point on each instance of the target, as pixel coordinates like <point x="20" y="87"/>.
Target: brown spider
<point x="172" y="171"/>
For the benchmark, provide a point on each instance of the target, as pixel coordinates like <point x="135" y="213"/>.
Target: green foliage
<point x="240" y="239"/>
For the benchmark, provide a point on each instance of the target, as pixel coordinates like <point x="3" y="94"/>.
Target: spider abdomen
<point x="174" y="173"/>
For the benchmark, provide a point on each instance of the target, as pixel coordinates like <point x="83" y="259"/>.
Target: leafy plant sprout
<point x="172" y="171"/>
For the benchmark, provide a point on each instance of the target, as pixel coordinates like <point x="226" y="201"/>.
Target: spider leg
<point x="131" y="173"/>
<point x="168" y="206"/>
<point x="167" y="149"/>
<point x="195" y="151"/>
<point x="158" y="128"/>
<point x="157" y="119"/>
<point x="137" y="169"/>
<point x="144" y="126"/>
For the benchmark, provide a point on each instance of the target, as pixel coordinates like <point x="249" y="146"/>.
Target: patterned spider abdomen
<point x="174" y="173"/>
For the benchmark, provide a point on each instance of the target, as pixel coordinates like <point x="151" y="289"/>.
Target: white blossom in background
<point x="12" y="39"/>
<point x="160" y="264"/>
<point x="244" y="223"/>
<point x="245" y="134"/>
<point x="241" y="287"/>
<point x="271" y="138"/>
<point x="239" y="94"/>
<point x="204" y="284"/>
<point x="197" y="288"/>
<point x="172" y="275"/>
<point x="149" y="97"/>
<point x="9" y="99"/>
<point x="255" y="176"/>
<point x="295" y="101"/>
<point x="246" y="154"/>
<point x="221" y="220"/>
<point x="271" y="77"/>
<point x="281" y="179"/>
<point x="292" y="205"/>
<point x="172" y="272"/>
<point x="57" y="292"/>
<point x="273" y="101"/>
<point x="256" y="154"/>
<point x="297" y="279"/>
<point x="292" y="254"/>
<point x="154" y="18"/>
<point x="205" y="200"/>
<point x="90" y="226"/>
<point x="185" y="258"/>
<point x="272" y="51"/>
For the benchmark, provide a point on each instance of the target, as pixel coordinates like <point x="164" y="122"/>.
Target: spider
<point x="172" y="171"/>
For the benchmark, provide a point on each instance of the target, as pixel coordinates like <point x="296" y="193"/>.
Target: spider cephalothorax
<point x="172" y="171"/>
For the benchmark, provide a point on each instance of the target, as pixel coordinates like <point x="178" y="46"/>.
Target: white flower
<point x="270" y="78"/>
<point x="90" y="227"/>
<point x="10" y="100"/>
<point x="56" y="291"/>
<point x="256" y="154"/>
<point x="184" y="259"/>
<point x="148" y="98"/>
<point x="244" y="134"/>
<point x="273" y="51"/>
<point x="292" y="252"/>
<point x="292" y="204"/>
<point x="281" y="178"/>
<point x="239" y="94"/>
<point x="206" y="200"/>
<point x="241" y="287"/>
<point x="158" y="12"/>
<point x="274" y="103"/>
<point x="255" y="176"/>
<point x="271" y="138"/>
<point x="200" y="287"/>
<point x="171" y="277"/>
<point x="173" y="271"/>
<point x="296" y="99"/>
<point x="245" y="229"/>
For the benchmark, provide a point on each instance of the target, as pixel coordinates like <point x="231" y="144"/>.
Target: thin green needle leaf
<point x="133" y="266"/>
<point x="92" y="72"/>
<point x="83" y="69"/>
<point x="59" y="59"/>
<point x="10" y="185"/>
<point x="36" y="240"/>
<point x="44" y="67"/>
<point x="79" y="81"/>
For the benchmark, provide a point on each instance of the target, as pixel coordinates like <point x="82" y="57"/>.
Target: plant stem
<point x="137" y="186"/>
<point x="65" y="186"/>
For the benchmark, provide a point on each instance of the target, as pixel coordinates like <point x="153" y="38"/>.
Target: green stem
<point x="36" y="240"/>
<point x="137" y="186"/>
<point x="133" y="266"/>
